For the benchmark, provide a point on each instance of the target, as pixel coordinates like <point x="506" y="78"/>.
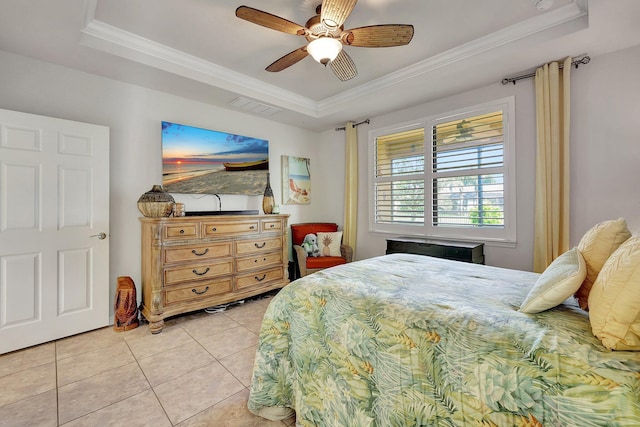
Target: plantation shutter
<point x="468" y="172"/>
<point x="399" y="178"/>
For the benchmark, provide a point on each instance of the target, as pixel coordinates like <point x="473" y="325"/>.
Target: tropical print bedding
<point x="408" y="340"/>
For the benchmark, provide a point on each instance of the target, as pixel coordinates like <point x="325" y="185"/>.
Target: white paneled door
<point x="54" y="228"/>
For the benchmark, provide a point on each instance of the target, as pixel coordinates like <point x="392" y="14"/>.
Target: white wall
<point x="605" y="142"/>
<point x="133" y="115"/>
<point x="605" y="152"/>
<point x="330" y="176"/>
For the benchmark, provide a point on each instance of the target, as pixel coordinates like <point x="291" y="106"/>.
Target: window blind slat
<point x="400" y="201"/>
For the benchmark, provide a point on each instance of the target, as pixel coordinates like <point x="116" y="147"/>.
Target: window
<point x="399" y="188"/>
<point x="448" y="176"/>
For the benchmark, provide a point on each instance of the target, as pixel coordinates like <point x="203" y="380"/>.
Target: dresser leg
<point x="156" y="327"/>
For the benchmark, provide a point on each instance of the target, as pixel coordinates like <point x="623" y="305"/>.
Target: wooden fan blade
<point x="379" y="35"/>
<point x="333" y="13"/>
<point x="343" y="66"/>
<point x="288" y="60"/>
<point x="270" y="21"/>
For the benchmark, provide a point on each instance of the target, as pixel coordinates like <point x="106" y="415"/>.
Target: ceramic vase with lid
<point x="268" y="200"/>
<point x="156" y="203"/>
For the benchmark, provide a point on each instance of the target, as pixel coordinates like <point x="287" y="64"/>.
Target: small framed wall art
<point x="296" y="180"/>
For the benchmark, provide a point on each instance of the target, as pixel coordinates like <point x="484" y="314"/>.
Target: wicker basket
<point x="156" y="203"/>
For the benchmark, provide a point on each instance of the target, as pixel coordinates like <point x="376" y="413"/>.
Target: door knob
<point x="100" y="236"/>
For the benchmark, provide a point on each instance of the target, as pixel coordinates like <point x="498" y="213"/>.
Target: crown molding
<point x="113" y="40"/>
<point x="102" y="36"/>
<point x="532" y="26"/>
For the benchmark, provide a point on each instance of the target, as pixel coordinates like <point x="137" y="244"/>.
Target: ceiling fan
<point x="326" y="36"/>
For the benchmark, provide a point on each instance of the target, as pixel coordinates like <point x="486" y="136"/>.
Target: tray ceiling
<point x="200" y="50"/>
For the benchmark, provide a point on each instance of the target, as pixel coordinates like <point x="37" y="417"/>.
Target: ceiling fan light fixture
<point x="324" y="49"/>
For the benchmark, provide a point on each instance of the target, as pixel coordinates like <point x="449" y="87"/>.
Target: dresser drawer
<point x="245" y="247"/>
<point x="271" y="225"/>
<point x="259" y="278"/>
<point x="198" y="291"/>
<point x="258" y="261"/>
<point x="181" y="231"/>
<point x="197" y="253"/>
<point x="224" y="228"/>
<point x="193" y="272"/>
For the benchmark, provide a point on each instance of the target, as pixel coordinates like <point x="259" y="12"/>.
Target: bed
<point x="410" y="340"/>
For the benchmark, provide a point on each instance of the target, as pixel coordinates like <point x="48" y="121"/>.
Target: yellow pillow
<point x="329" y="243"/>
<point x="614" y="300"/>
<point x="596" y="246"/>
<point x="557" y="283"/>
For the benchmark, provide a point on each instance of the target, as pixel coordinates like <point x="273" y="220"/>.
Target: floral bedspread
<point x="407" y="340"/>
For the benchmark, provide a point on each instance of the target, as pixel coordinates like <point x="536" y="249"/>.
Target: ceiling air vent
<point x="254" y="107"/>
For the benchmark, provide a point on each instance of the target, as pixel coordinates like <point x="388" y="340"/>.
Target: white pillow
<point x="557" y="283"/>
<point x="596" y="246"/>
<point x="614" y="300"/>
<point x="329" y="243"/>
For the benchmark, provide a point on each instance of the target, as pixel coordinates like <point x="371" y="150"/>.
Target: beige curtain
<point x="351" y="188"/>
<point x="552" y="164"/>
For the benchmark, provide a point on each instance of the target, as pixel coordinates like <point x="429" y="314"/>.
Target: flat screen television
<point x="203" y="161"/>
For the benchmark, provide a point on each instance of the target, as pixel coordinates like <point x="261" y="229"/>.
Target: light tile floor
<point x="195" y="373"/>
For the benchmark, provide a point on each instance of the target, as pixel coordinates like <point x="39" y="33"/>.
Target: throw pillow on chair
<point x="328" y="247"/>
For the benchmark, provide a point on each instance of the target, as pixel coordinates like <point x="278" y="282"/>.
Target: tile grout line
<point x="149" y="382"/>
<point x="91" y="376"/>
<point x="207" y="408"/>
<point x="221" y="364"/>
<point x="216" y="360"/>
<point x="214" y="357"/>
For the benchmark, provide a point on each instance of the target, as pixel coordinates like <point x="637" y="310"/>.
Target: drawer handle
<point x="214" y="229"/>
<point x="256" y="260"/>
<point x="201" y="274"/>
<point x="260" y="246"/>
<point x="272" y="225"/>
<point x="260" y="279"/>
<point x="203" y="253"/>
<point x="200" y="293"/>
<point x="253" y="227"/>
<point x="181" y="231"/>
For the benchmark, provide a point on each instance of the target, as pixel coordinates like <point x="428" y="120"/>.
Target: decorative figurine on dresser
<point x="193" y="262"/>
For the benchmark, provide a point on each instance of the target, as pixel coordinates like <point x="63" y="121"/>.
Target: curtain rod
<point x="576" y="62"/>
<point x="354" y="125"/>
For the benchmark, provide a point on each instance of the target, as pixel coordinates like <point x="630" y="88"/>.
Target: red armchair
<point x="307" y="264"/>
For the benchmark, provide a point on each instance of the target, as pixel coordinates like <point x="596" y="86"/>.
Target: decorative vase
<point x="267" y="199"/>
<point x="156" y="203"/>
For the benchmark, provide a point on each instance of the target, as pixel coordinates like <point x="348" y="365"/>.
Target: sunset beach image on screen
<point x="197" y="160"/>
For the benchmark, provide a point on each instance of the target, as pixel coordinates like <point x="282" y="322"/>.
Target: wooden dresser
<point x="459" y="251"/>
<point x="190" y="263"/>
